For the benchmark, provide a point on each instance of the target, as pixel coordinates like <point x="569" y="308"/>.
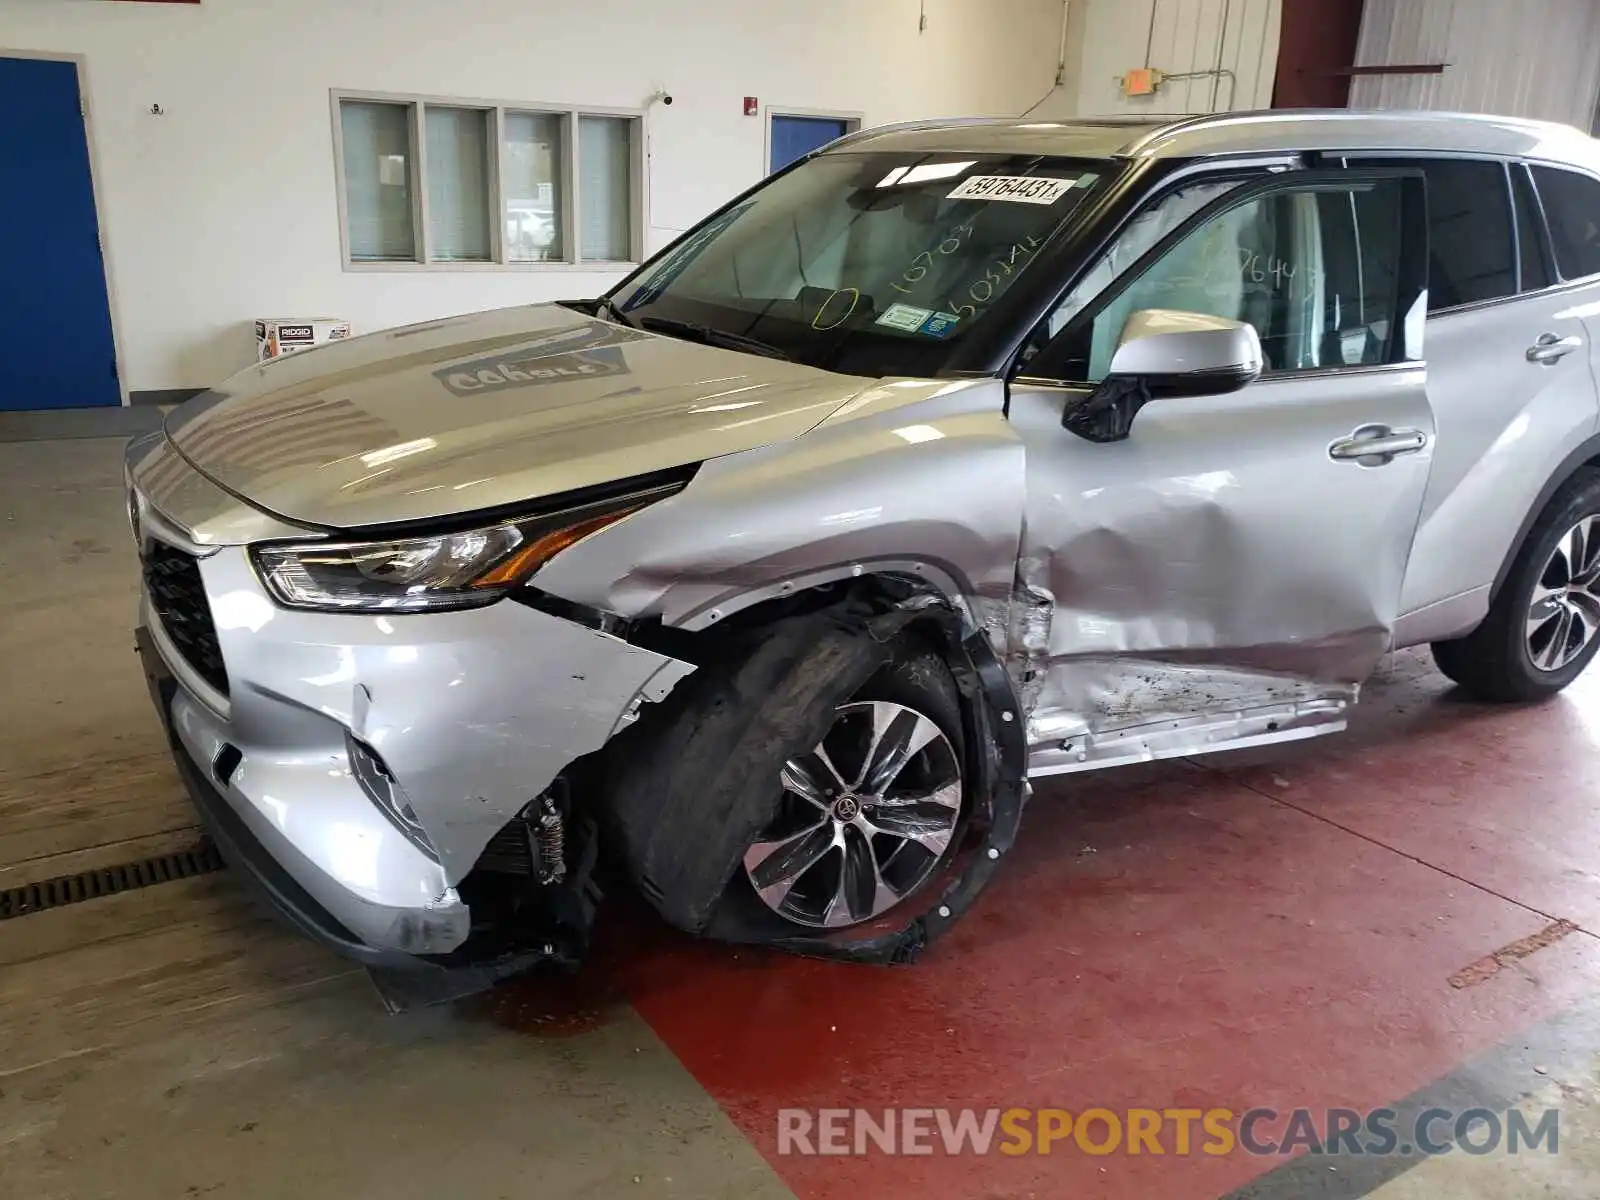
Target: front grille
<point x="172" y="578"/>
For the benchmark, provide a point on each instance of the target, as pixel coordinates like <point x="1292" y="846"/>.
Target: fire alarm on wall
<point x="752" y="106"/>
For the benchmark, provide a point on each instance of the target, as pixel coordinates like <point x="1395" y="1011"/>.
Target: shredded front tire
<point x="695" y="792"/>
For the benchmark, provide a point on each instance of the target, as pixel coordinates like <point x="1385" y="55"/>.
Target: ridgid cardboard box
<point x="277" y="336"/>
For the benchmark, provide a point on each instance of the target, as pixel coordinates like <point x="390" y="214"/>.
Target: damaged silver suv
<point x="956" y="454"/>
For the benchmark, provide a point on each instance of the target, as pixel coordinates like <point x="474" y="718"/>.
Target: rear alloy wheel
<point x="1544" y="625"/>
<point x="867" y="817"/>
<point x="1564" y="615"/>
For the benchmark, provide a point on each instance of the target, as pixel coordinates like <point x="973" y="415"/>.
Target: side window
<point x="1147" y="228"/>
<point x="1535" y="255"/>
<point x="1470" y="257"/>
<point x="1314" y="270"/>
<point x="1572" y="207"/>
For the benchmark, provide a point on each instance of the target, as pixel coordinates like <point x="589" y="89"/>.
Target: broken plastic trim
<point x="999" y="781"/>
<point x="1106" y="414"/>
<point x="646" y="634"/>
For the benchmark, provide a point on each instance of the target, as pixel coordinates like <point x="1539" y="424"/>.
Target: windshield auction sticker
<point x="1017" y="189"/>
<point x="905" y="316"/>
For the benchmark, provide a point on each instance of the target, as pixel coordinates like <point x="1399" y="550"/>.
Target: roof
<point x="1244" y="133"/>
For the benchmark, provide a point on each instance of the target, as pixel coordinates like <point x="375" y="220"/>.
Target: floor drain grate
<point x="200" y="859"/>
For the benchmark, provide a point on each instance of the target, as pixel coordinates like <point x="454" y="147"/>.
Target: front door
<point x="55" y="320"/>
<point x="1230" y="572"/>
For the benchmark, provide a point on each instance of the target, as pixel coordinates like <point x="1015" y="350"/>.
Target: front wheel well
<point x="680" y="792"/>
<point x="870" y="594"/>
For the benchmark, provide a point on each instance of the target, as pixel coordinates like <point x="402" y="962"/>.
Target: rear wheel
<point x="1544" y="625"/>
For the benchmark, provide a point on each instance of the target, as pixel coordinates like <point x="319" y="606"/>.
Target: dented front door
<point x="1230" y="572"/>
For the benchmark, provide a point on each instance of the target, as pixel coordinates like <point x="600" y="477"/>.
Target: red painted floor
<point x="1175" y="936"/>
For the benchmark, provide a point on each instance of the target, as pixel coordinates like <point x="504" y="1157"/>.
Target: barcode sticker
<point x="1017" y="189"/>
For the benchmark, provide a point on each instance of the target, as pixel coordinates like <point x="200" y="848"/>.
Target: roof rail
<point x="1194" y="121"/>
<point x="1150" y="138"/>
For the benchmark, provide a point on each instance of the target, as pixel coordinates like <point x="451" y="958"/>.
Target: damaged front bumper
<point x="260" y="852"/>
<point x="465" y="717"/>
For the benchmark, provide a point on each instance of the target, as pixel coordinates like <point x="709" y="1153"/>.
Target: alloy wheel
<point x="866" y="818"/>
<point x="1564" y="614"/>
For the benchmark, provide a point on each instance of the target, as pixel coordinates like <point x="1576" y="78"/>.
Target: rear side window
<point x="1469" y="233"/>
<point x="1470" y="252"/>
<point x="1572" y="207"/>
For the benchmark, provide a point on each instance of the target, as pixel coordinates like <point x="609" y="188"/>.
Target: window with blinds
<point x="438" y="183"/>
<point x="533" y="164"/>
<point x="458" y="184"/>
<point x="379" y="224"/>
<point x="605" y="182"/>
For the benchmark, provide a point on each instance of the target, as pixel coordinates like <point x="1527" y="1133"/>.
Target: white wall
<point x="1183" y="37"/>
<point x="1532" y="58"/>
<point x="223" y="209"/>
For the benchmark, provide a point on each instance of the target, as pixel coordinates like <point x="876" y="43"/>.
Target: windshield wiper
<point x="710" y="336"/>
<point x="607" y="304"/>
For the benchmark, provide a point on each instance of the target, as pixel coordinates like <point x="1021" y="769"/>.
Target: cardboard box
<point x="277" y="336"/>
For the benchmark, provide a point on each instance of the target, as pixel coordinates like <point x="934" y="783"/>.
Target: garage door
<point x="55" y="322"/>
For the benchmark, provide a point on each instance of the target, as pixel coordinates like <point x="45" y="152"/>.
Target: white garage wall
<point x="1229" y="46"/>
<point x="1532" y="58"/>
<point x="224" y="208"/>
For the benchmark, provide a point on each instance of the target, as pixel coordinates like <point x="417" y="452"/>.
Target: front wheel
<point x="871" y="812"/>
<point x="1544" y="625"/>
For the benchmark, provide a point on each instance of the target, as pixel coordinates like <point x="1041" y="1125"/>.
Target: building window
<point x="450" y="182"/>
<point x="377" y="181"/>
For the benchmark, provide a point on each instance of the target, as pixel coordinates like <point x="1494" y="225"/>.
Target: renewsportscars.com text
<point x="1262" y="1132"/>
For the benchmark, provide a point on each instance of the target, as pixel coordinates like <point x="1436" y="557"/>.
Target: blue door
<point x="55" y="320"/>
<point x="796" y="137"/>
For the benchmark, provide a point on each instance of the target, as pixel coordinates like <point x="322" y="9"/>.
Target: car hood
<point x="486" y="410"/>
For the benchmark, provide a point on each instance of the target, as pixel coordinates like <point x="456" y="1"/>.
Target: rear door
<point x="55" y="320"/>
<point x="1509" y="382"/>
<point x="1231" y="571"/>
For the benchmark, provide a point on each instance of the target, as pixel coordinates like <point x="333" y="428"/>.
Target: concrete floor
<point x="1315" y="928"/>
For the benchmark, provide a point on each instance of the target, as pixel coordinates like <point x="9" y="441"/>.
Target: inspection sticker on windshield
<point x="905" y="316"/>
<point x="1018" y="189"/>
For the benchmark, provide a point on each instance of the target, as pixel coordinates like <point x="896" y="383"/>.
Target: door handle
<point x="1377" y="445"/>
<point x="1551" y="348"/>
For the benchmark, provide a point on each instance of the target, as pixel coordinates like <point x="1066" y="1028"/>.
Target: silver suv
<point x="956" y="454"/>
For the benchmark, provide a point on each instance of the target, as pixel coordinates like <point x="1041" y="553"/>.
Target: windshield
<point x="871" y="264"/>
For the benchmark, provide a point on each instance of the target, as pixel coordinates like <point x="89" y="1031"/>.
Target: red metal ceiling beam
<point x="1390" y="69"/>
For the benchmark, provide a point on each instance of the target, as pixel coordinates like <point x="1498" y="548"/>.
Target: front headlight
<point x="466" y="569"/>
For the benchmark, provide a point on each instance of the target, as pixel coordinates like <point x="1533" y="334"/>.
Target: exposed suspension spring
<point x="551" y="829"/>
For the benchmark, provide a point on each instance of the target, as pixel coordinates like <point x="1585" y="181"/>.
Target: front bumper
<point x="474" y="714"/>
<point x="245" y="850"/>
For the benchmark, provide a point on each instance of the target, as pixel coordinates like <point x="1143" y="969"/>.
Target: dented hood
<point x="486" y="410"/>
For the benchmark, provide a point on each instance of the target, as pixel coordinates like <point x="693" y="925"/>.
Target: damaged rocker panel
<point x="1202" y="733"/>
<point x="1093" y="713"/>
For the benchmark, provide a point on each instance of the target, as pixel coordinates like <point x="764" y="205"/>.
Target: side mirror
<point x="1166" y="352"/>
<point x="1187" y="353"/>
